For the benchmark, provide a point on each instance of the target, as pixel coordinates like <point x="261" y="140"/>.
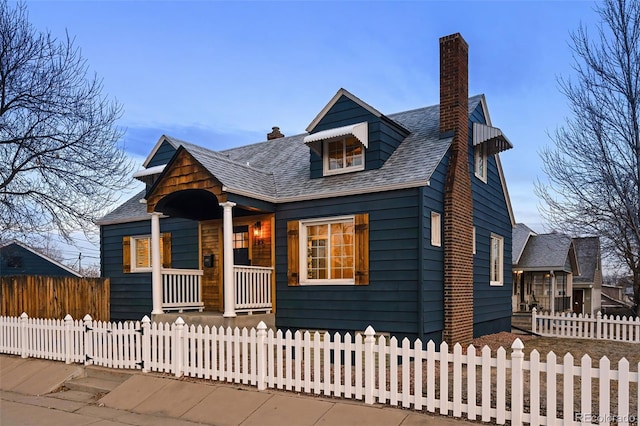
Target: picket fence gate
<point x="362" y="367"/>
<point x="579" y="326"/>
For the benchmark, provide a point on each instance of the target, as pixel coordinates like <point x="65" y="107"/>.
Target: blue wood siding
<point x="384" y="135"/>
<point x="16" y="260"/>
<point x="131" y="292"/>
<point x="162" y="155"/>
<point x="389" y="303"/>
<point x="492" y="304"/>
<point x="433" y="257"/>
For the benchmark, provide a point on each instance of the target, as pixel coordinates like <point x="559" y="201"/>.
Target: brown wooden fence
<point x="54" y="297"/>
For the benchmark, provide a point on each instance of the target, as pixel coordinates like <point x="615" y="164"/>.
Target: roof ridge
<point x="226" y="158"/>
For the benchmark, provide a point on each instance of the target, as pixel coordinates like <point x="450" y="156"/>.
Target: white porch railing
<point x="253" y="288"/>
<point x="182" y="289"/>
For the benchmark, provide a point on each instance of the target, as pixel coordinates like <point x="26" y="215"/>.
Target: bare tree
<point x="61" y="164"/>
<point x="594" y="167"/>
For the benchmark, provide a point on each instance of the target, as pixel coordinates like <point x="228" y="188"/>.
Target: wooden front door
<point x="211" y="245"/>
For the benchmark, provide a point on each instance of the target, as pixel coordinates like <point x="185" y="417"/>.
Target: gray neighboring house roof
<point x="278" y="170"/>
<point x="548" y="252"/>
<point x="43" y="256"/>
<point x="588" y="253"/>
<point x="521" y="234"/>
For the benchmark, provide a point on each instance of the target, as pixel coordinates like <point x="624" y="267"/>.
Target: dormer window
<point x="341" y="148"/>
<point x="342" y="155"/>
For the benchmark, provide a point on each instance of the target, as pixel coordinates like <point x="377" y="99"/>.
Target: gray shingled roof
<point x="278" y="170"/>
<point x="588" y="253"/>
<point x="130" y="211"/>
<point x="545" y="252"/>
<point x="521" y="234"/>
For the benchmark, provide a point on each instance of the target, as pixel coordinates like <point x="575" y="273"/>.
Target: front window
<point x="480" y="153"/>
<point x="327" y="252"/>
<point x="497" y="257"/>
<point x="141" y="253"/>
<point x="343" y="155"/>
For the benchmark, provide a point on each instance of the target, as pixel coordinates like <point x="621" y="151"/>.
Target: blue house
<point x="17" y="258"/>
<point x="400" y="221"/>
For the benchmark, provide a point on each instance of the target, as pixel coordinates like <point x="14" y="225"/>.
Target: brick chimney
<point x="275" y="134"/>
<point x="458" y="201"/>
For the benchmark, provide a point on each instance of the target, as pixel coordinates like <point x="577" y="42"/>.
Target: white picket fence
<point x="586" y="326"/>
<point x="364" y="367"/>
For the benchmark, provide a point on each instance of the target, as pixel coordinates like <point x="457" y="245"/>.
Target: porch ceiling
<point x="194" y="204"/>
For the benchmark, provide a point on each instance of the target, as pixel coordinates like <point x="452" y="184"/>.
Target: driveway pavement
<point x="31" y="394"/>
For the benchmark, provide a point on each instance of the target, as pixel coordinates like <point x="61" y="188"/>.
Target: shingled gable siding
<point x="389" y="302"/>
<point x="162" y="155"/>
<point x="131" y="293"/>
<point x="492" y="305"/>
<point x="383" y="137"/>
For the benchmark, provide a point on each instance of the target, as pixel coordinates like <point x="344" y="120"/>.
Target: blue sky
<point x="221" y="74"/>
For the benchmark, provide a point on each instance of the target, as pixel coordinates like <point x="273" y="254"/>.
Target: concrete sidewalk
<point x="28" y="397"/>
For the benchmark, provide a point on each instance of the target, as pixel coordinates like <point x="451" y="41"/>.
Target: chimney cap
<point x="275" y="134"/>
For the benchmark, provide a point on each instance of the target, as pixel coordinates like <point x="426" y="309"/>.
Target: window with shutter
<point x="136" y="252"/>
<point x="330" y="251"/>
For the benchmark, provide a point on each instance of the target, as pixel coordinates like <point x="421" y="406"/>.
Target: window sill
<point x="496" y="283"/>
<point x="327" y="282"/>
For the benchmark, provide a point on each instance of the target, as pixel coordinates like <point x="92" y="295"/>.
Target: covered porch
<point x="235" y="244"/>
<point x="547" y="291"/>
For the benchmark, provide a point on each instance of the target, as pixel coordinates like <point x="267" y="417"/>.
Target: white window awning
<point x="360" y="131"/>
<point x="492" y="136"/>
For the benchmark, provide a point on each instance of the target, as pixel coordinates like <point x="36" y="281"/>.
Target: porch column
<point x="553" y="293"/>
<point x="227" y="254"/>
<point x="156" y="265"/>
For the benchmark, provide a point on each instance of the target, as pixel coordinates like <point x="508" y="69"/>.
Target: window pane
<point x="317" y="251"/>
<point x="143" y="252"/>
<point x="330" y="251"/>
<point x="353" y="152"/>
<point x="335" y="155"/>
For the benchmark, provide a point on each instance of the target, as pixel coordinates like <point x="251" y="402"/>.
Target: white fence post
<point x="24" y="338"/>
<point x="68" y="336"/>
<point x="369" y="365"/>
<point x="178" y="337"/>
<point x="517" y="380"/>
<point x="598" y="325"/>
<point x="88" y="341"/>
<point x="534" y="311"/>
<point x="146" y="344"/>
<point x="261" y="372"/>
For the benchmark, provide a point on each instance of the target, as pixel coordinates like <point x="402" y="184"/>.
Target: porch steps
<point x="521" y="323"/>
<point x="215" y="319"/>
<point x="97" y="380"/>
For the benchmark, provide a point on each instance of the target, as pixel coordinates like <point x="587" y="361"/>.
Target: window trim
<point x="436" y="229"/>
<point x="134" y="239"/>
<point x="303" y="224"/>
<point x="325" y="156"/>
<point x="500" y="281"/>
<point x="480" y="151"/>
<point x="128" y="253"/>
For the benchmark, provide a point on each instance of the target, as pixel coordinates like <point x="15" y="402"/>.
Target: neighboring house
<point x="17" y="258"/>
<point x="543" y="269"/>
<point x="587" y="284"/>
<point x="398" y="221"/>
